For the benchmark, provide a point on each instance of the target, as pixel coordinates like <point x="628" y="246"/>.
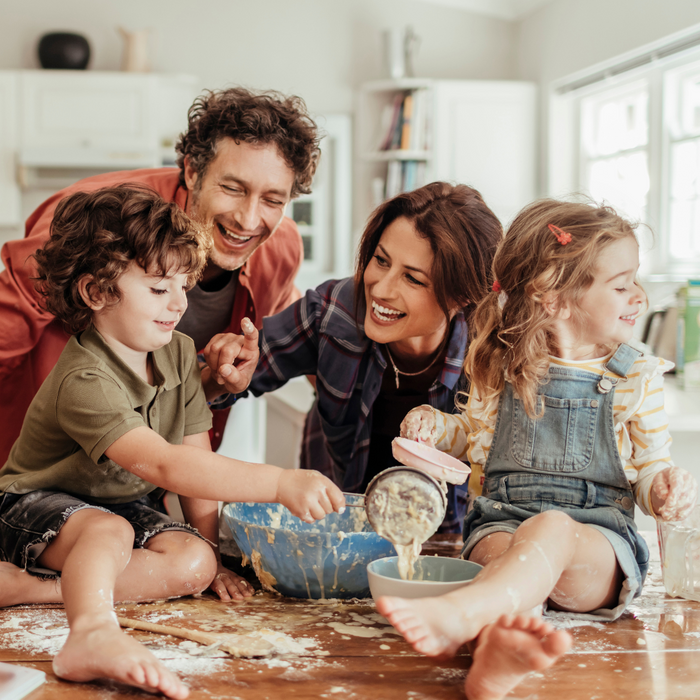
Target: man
<point x="244" y="156"/>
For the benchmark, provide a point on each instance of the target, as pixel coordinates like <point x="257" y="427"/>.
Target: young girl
<point x="565" y="430"/>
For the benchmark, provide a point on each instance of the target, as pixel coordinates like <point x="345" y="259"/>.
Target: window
<point x="632" y="140"/>
<point x="614" y="147"/>
<point x="682" y="118"/>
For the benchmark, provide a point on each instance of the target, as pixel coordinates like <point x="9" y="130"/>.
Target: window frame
<point x="566" y="161"/>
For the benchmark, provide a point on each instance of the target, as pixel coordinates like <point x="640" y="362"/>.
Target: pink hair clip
<point x="562" y="236"/>
<point x="496" y="286"/>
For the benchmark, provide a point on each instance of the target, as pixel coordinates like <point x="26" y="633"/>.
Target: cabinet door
<point x="9" y="190"/>
<point x="484" y="136"/>
<point x="71" y="109"/>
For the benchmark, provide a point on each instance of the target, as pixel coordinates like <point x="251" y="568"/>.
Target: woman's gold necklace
<point x="398" y="371"/>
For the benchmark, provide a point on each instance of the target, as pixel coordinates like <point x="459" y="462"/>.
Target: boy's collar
<point x="164" y="365"/>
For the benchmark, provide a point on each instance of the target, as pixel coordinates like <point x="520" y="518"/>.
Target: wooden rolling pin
<point x="238" y="645"/>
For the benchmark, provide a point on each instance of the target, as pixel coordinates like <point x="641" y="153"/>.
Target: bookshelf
<point x="478" y="132"/>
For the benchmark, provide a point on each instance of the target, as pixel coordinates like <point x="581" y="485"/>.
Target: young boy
<point x="122" y="414"/>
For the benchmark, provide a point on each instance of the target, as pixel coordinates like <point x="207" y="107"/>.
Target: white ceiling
<point x="504" y="9"/>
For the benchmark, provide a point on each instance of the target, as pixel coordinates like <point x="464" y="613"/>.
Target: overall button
<point x="594" y="403"/>
<point x="605" y="385"/>
<point x="626" y="502"/>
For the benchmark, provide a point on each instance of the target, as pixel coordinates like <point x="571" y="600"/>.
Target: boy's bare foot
<point x="18" y="587"/>
<point x="104" y="651"/>
<point x="508" y="650"/>
<point x="432" y="626"/>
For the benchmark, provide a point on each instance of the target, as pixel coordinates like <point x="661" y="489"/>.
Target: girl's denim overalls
<point x="566" y="460"/>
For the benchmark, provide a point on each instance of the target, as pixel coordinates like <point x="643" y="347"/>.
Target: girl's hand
<point x="221" y="352"/>
<point x="419" y="425"/>
<point x="308" y="494"/>
<point x="230" y="586"/>
<point x="673" y="493"/>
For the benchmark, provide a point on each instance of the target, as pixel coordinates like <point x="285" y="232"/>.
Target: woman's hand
<point x="220" y="375"/>
<point x="673" y="493"/>
<point x="230" y="586"/>
<point x="308" y="494"/>
<point x="419" y="425"/>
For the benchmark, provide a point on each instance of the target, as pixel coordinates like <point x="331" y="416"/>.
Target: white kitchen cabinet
<point x="477" y="132"/>
<point x="102" y="111"/>
<point x="59" y="126"/>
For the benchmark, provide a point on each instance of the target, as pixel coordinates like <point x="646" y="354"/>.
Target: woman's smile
<point x="384" y="314"/>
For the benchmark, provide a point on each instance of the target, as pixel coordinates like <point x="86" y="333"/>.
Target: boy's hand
<point x="230" y="586"/>
<point x="673" y="493"/>
<point x="419" y="425"/>
<point x="225" y="348"/>
<point x="308" y="494"/>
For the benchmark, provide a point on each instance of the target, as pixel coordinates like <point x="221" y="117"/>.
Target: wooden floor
<point x="346" y="650"/>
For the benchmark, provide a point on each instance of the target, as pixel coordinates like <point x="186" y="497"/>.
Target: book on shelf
<point x="404" y="123"/>
<point x="401" y="176"/>
<point x="418" y="120"/>
<point x="17" y="681"/>
<point x="406" y="113"/>
<point x="393" y="179"/>
<point x="393" y="123"/>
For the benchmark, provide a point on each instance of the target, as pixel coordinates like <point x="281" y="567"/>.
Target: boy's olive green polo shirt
<point x="90" y="399"/>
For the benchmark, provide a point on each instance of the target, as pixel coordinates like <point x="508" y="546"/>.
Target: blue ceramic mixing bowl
<point x="326" y="559"/>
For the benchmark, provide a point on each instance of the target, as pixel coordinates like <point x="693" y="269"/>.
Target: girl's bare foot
<point x="18" y="587"/>
<point x="104" y="651"/>
<point x="432" y="626"/>
<point x="508" y="650"/>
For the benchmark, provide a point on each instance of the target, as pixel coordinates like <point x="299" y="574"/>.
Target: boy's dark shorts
<point x="29" y="523"/>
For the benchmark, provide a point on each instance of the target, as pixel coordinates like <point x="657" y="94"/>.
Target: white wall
<point x="319" y="49"/>
<point x="569" y="35"/>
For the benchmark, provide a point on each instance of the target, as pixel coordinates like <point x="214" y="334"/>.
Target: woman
<point x="392" y="338"/>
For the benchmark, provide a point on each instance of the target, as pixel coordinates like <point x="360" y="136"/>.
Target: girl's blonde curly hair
<point x="513" y="332"/>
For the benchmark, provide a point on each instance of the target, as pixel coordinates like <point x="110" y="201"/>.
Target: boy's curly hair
<point x="532" y="267"/>
<point x="100" y="233"/>
<point x="251" y="117"/>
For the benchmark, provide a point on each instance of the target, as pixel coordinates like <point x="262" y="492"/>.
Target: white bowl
<point x="433" y="576"/>
<point x="434" y="462"/>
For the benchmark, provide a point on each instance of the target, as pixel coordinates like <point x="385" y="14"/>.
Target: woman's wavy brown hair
<point x="100" y="233"/>
<point x="251" y="117"/>
<point x="532" y="267"/>
<point x="463" y="234"/>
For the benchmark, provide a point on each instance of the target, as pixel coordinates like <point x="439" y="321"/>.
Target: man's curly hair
<point x="256" y="118"/>
<point x="100" y="233"/>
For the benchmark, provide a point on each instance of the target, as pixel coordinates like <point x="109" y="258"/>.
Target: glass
<point x="614" y="124"/>
<point x="621" y="181"/>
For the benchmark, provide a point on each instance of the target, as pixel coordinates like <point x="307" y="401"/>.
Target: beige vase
<point x="135" y="56"/>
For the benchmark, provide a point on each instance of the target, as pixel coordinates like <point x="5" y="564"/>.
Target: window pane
<point x="615" y="123"/>
<point x="623" y="182"/>
<point x="690" y="106"/>
<point x="684" y="230"/>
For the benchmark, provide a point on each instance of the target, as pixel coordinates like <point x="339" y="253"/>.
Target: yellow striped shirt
<point x="641" y="426"/>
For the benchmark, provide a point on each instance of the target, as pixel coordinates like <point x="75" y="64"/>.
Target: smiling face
<point x="144" y="318"/>
<point x="401" y="306"/>
<point x="243" y="194"/>
<point x="611" y="304"/>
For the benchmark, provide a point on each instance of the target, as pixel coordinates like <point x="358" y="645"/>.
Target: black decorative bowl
<point x="63" y="50"/>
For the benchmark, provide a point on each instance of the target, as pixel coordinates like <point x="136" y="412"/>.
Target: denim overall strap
<point x="621" y="362"/>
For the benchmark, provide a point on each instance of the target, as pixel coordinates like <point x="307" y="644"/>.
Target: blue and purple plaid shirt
<point x="318" y="335"/>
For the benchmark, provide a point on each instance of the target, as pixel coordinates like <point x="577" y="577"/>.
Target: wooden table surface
<point x="344" y="649"/>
